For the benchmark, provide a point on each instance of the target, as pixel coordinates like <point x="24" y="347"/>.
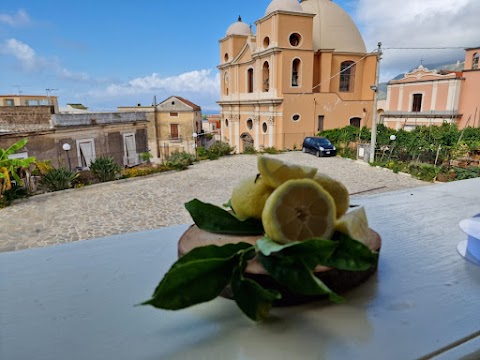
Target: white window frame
<point x="79" y="156"/>
<point x="125" y="157"/>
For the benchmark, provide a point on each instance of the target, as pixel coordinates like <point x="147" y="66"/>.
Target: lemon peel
<point x="275" y="172"/>
<point x="337" y="190"/>
<point x="249" y="197"/>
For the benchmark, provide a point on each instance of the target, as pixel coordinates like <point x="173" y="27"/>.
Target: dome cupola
<point x="333" y="28"/>
<point x="283" y="5"/>
<point x="239" y="28"/>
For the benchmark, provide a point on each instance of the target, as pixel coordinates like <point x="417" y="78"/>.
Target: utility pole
<point x="373" y="139"/>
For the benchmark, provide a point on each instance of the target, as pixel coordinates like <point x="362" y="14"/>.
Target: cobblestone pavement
<point x="157" y="201"/>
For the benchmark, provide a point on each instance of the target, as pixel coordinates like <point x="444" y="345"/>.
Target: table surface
<point x="76" y="301"/>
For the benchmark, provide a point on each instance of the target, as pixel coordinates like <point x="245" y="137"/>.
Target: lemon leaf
<point x="254" y="301"/>
<point x="192" y="283"/>
<point x="312" y="252"/>
<point x="296" y="276"/>
<point x="351" y="254"/>
<point x="214" y="219"/>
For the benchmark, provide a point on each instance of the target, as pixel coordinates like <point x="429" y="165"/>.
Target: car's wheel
<point x="319" y="154"/>
<point x="304" y="150"/>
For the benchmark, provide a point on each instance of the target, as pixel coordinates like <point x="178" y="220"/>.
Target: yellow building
<point x="29" y="100"/>
<point x="172" y="124"/>
<point x="305" y="70"/>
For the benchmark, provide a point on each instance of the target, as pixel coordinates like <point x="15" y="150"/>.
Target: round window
<point x="296" y="117"/>
<point x="295" y="39"/>
<point x="264" y="127"/>
<point x="226" y="122"/>
<point x="266" y="42"/>
<point x="226" y="57"/>
<point x="249" y="124"/>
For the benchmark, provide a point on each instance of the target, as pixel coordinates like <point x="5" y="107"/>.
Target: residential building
<point x="430" y="97"/>
<point x="305" y="70"/>
<point x="30" y="100"/>
<point x="171" y="125"/>
<point x="120" y="135"/>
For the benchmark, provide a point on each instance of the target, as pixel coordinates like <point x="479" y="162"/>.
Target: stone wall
<point x="96" y="118"/>
<point x="25" y="118"/>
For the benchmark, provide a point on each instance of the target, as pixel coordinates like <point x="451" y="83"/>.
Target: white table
<point x="75" y="301"/>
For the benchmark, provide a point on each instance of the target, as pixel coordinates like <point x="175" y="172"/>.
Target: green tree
<point x="9" y="167"/>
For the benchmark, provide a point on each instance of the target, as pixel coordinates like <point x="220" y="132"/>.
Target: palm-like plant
<point x="9" y="167"/>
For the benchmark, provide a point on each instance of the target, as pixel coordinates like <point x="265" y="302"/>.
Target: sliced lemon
<point x="249" y="197"/>
<point x="275" y="172"/>
<point x="299" y="210"/>
<point x="355" y="225"/>
<point x="338" y="191"/>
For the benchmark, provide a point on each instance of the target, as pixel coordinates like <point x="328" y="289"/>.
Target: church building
<point x="305" y="69"/>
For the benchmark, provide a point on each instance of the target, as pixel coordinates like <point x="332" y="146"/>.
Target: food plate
<point x="337" y="280"/>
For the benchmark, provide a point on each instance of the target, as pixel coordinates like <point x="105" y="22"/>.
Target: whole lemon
<point x="337" y="190"/>
<point x="249" y="197"/>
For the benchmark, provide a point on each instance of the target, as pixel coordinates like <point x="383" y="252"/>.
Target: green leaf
<point x="228" y="205"/>
<point x="295" y="275"/>
<point x="212" y="252"/>
<point x="193" y="282"/>
<point x="217" y="220"/>
<point x="312" y="252"/>
<point x="351" y="255"/>
<point x="251" y="298"/>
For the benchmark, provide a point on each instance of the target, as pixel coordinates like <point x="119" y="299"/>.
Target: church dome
<point x="283" y="5"/>
<point x="333" y="28"/>
<point x="239" y="28"/>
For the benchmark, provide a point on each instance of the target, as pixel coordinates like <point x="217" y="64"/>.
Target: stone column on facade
<point x="236" y="130"/>
<point x="433" y="104"/>
<point x="271" y="131"/>
<point x="400" y="98"/>
<point x="256" y="131"/>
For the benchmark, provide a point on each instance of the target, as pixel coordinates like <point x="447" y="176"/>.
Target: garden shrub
<point x="221" y="149"/>
<point x="105" y="168"/>
<point x="271" y="150"/>
<point x="249" y="150"/>
<point x="180" y="160"/>
<point x="143" y="170"/>
<point x="425" y="172"/>
<point x="57" y="179"/>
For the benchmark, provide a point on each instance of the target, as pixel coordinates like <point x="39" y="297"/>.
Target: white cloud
<point x="18" y="19"/>
<point x="28" y="58"/>
<point x="197" y="81"/>
<point x="413" y="23"/>
<point x="30" y="62"/>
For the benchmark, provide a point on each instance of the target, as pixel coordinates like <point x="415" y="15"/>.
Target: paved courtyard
<point x="157" y="201"/>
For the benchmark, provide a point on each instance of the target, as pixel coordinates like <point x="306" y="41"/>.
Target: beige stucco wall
<point x="22" y="100"/>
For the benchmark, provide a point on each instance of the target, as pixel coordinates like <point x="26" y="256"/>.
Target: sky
<point x="107" y="54"/>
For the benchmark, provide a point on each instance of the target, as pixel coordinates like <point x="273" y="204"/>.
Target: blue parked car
<point x="319" y="146"/>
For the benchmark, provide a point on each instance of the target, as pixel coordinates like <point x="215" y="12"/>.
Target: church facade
<point x="429" y="97"/>
<point x="306" y="69"/>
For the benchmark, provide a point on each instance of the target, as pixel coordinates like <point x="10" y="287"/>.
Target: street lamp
<point x="392" y="139"/>
<point x="195" y="135"/>
<point x="67" y="148"/>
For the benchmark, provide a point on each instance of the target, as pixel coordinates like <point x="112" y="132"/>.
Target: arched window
<point x="266" y="76"/>
<point x="250" y="80"/>
<point x="225" y="83"/>
<point x="475" y="61"/>
<point x="296" y="72"/>
<point x="355" y="122"/>
<point x="347" y="76"/>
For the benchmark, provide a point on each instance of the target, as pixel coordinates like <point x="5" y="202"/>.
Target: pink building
<point x="428" y="97"/>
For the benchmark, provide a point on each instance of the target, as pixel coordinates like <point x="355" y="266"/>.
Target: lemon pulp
<point x="299" y="210"/>
<point x="275" y="172"/>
